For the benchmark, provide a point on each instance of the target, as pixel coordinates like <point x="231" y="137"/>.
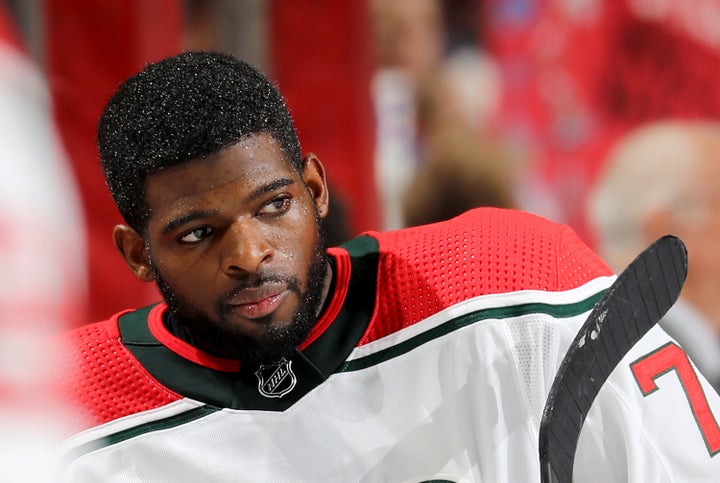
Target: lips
<point x="258" y="302"/>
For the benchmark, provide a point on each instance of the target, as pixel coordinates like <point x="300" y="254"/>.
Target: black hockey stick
<point x="640" y="296"/>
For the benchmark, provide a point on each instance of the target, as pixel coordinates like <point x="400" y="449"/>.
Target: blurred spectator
<point x="408" y="35"/>
<point x="42" y="264"/>
<point x="409" y="43"/>
<point x="662" y="179"/>
<point x="462" y="93"/>
<point x="462" y="171"/>
<point x="461" y="167"/>
<point x="423" y="82"/>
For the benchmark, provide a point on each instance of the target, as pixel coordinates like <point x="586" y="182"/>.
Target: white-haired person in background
<point x="663" y="178"/>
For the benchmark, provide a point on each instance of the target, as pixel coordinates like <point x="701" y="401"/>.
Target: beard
<point x="217" y="336"/>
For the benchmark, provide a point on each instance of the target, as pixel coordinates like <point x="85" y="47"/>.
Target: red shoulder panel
<point x="425" y="269"/>
<point x="103" y="379"/>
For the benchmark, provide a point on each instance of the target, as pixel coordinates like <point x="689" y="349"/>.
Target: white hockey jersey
<point x="431" y="362"/>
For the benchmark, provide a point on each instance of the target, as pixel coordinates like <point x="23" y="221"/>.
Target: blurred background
<point x="411" y="104"/>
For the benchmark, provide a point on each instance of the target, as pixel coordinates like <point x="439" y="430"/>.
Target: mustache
<point x="258" y="280"/>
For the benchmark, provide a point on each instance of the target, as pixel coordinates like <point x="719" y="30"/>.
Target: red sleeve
<point x="102" y="378"/>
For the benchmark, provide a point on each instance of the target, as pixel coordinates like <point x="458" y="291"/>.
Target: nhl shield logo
<point x="276" y="380"/>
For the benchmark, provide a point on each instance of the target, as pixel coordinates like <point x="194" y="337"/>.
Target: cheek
<point x="702" y="245"/>
<point x="185" y="277"/>
<point x="299" y="231"/>
<point x="172" y="272"/>
<point x="299" y="250"/>
<point x="299" y="247"/>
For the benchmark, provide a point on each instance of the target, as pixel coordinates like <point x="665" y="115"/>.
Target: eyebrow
<point x="186" y="218"/>
<point x="173" y="224"/>
<point x="278" y="183"/>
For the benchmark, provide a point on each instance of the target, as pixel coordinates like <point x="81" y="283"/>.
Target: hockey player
<point x="413" y="355"/>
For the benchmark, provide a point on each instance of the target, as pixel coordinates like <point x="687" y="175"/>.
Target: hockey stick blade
<point x="633" y="304"/>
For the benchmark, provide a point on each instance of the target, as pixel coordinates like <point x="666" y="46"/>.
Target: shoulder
<point x="101" y="377"/>
<point x="498" y="250"/>
<point x="94" y="333"/>
<point x="486" y="251"/>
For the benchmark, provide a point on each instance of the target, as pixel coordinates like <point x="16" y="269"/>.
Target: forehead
<point x="241" y="168"/>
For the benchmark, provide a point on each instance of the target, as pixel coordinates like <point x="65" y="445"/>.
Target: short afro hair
<point x="182" y="108"/>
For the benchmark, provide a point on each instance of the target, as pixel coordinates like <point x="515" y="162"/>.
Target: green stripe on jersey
<point x="120" y="436"/>
<point x="557" y="311"/>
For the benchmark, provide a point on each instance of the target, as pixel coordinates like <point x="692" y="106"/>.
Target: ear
<point x="132" y="247"/>
<point x="313" y="174"/>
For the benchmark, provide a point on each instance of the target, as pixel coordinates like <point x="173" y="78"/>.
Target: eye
<point x="277" y="206"/>
<point x="196" y="235"/>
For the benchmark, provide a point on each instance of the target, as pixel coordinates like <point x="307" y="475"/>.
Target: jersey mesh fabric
<point x="534" y="342"/>
<point x="108" y="382"/>
<point x="487" y="250"/>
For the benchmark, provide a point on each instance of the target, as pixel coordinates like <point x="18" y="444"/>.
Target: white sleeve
<point x="655" y="419"/>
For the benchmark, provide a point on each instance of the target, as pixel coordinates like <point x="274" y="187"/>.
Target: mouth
<point x="256" y="303"/>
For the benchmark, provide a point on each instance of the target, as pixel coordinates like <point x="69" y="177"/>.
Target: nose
<point x="244" y="248"/>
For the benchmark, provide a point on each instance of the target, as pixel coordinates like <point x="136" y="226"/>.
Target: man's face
<point x="697" y="222"/>
<point x="234" y="244"/>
